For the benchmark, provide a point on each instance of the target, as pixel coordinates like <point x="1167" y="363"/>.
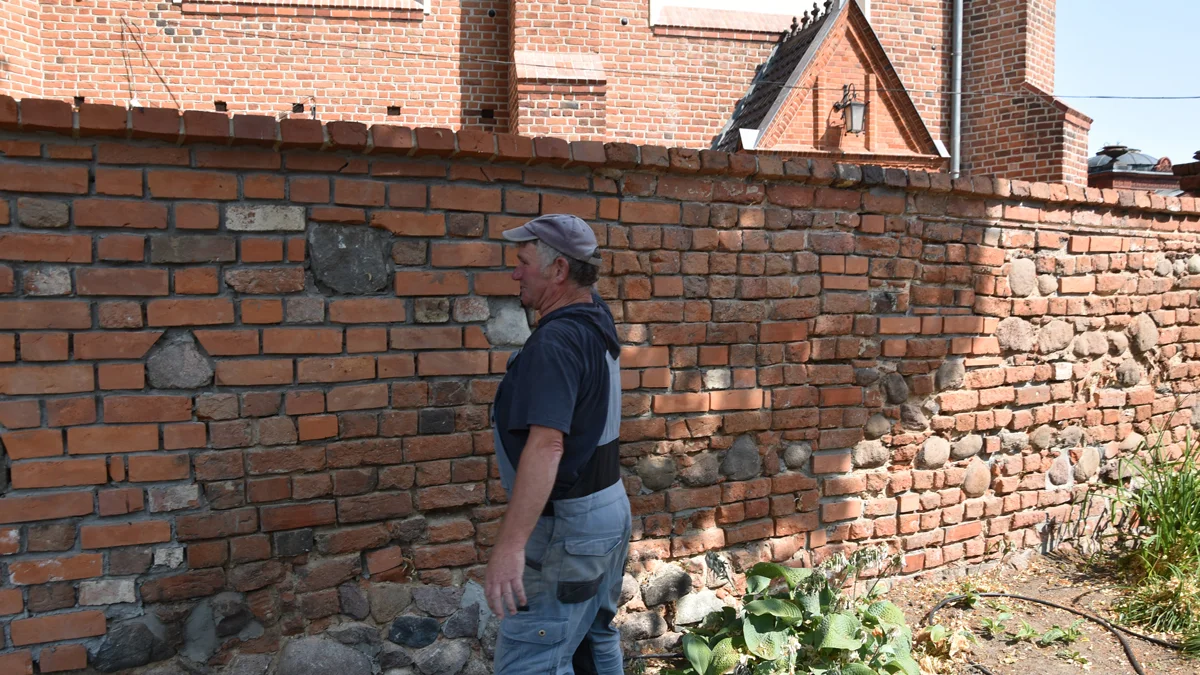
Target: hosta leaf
<point x="858" y="669"/>
<point x="811" y="604"/>
<point x="762" y="638"/>
<point x="838" y="632"/>
<point x="903" y="664"/>
<point x="937" y="634"/>
<point x="792" y="575"/>
<point x="724" y="658"/>
<point x="697" y="653"/>
<point x="886" y="612"/>
<point x="756" y="583"/>
<point x="783" y="609"/>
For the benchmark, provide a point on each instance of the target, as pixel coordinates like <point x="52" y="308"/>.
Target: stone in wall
<point x="1143" y="334"/>
<point x="350" y="259"/>
<point x="967" y="446"/>
<point x="321" y="656"/>
<point x="934" y="453"/>
<point x="657" y="471"/>
<point x="177" y="364"/>
<point x="742" y="461"/>
<point x="1022" y="277"/>
<point x="1015" y="334"/>
<point x="1055" y="336"/>
<point x="870" y="454"/>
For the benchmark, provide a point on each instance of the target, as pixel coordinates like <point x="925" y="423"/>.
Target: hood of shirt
<point x="595" y="314"/>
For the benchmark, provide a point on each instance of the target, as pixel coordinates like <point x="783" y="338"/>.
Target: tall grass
<point x="1159" y="542"/>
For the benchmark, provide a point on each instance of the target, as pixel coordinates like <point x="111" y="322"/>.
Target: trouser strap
<point x="600" y="472"/>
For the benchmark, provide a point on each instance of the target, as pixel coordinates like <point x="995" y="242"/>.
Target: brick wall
<point x="664" y="86"/>
<point x="921" y="58"/>
<point x="203" y="390"/>
<point x="20" y="48"/>
<point x="1013" y="126"/>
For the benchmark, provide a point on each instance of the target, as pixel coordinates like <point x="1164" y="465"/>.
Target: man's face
<point x="533" y="280"/>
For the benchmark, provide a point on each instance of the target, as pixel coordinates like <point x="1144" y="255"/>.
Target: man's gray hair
<point x="578" y="271"/>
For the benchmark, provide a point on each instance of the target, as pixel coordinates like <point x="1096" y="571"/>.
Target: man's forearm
<point x="535" y="479"/>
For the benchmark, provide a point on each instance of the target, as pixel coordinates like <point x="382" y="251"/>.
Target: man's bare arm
<point x="535" y="478"/>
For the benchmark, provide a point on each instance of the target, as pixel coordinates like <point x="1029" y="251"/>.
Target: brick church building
<point x="644" y="71"/>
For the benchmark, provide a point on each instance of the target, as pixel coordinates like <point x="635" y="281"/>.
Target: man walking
<point x="554" y="575"/>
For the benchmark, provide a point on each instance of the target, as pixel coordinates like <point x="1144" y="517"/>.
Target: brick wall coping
<point x="194" y="126"/>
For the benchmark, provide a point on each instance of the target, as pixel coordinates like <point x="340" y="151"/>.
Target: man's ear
<point x="562" y="269"/>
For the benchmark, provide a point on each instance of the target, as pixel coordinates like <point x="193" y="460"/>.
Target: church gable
<point x="842" y="51"/>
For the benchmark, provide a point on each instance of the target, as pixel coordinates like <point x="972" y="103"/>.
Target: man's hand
<point x="504" y="584"/>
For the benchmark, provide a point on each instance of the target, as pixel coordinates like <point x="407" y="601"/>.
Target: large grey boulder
<point x="321" y="656"/>
<point x="742" y="461"/>
<point x="967" y="446"/>
<point x="950" y="375"/>
<point x="912" y="418"/>
<point x="869" y="454"/>
<point x="463" y="623"/>
<point x="1022" y="277"/>
<point x="131" y="644"/>
<point x="1015" y="334"/>
<point x="705" y="470"/>
<point x="895" y="388"/>
<point x="1055" y="336"/>
<point x="177" y="364"/>
<point x="1143" y="333"/>
<point x="387" y="600"/>
<point x="1042" y="437"/>
<point x="978" y="478"/>
<point x="933" y="454"/>
<point x="877" y="426"/>
<point x="1129" y="373"/>
<point x="414" y="631"/>
<point x="350" y="259"/>
<point x="668" y="583"/>
<point x="508" y="325"/>
<point x="1091" y="343"/>
<point x="657" y="471"/>
<point x="1013" y="441"/>
<point x="796" y="455"/>
<point x="693" y="608"/>
<point x="1087" y="465"/>
<point x="642" y="626"/>
<point x="437" y="600"/>
<point x="1061" y="471"/>
<point x="446" y="657"/>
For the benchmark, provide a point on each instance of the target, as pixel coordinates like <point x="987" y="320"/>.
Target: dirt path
<point x="1053" y="580"/>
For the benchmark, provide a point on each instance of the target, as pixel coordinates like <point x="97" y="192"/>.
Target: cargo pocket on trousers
<point x="584" y="565"/>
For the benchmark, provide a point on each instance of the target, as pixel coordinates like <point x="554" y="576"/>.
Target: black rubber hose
<point x="1115" y="630"/>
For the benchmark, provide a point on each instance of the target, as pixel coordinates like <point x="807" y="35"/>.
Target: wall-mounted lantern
<point x="853" y="110"/>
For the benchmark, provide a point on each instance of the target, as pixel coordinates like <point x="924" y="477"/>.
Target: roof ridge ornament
<point x="804" y="21"/>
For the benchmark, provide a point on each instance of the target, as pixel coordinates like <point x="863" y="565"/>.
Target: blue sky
<point x="1142" y="48"/>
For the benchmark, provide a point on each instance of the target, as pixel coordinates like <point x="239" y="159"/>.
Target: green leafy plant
<point x="995" y="627"/>
<point x="1058" y="634"/>
<point x="794" y="620"/>
<point x="1026" y="633"/>
<point x="1155" y="533"/>
<point x="1073" y="656"/>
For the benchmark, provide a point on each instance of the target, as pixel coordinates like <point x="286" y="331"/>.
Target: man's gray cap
<point x="566" y="234"/>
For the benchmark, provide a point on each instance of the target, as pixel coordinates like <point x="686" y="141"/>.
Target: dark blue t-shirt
<point x="564" y="378"/>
